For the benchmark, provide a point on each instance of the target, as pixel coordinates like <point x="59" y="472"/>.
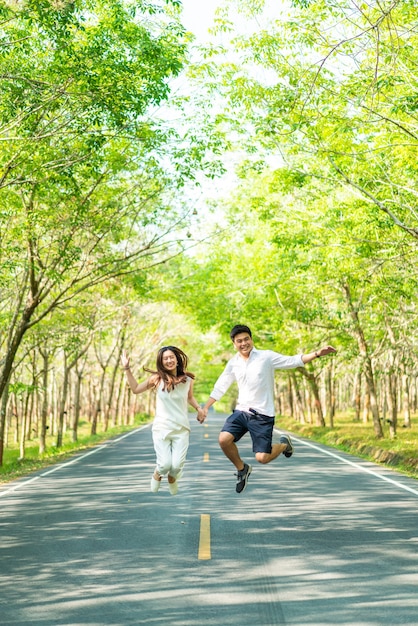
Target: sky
<point x="198" y="16"/>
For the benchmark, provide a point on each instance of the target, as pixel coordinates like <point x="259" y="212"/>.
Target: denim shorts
<point x="259" y="426"/>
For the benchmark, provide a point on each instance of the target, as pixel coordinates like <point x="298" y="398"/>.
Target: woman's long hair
<point x="162" y="374"/>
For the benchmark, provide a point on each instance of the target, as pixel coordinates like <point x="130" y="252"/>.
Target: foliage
<point x="331" y="88"/>
<point x="94" y="177"/>
<point x="318" y="246"/>
<point x="85" y="195"/>
<point x="90" y="170"/>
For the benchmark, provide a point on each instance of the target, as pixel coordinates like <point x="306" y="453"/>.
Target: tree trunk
<point x="290" y="390"/>
<point x="116" y="419"/>
<point x="44" y="409"/>
<point x="392" y="405"/>
<point x="54" y="406"/>
<point x="366" y="407"/>
<point x="22" y="440"/>
<point x="110" y="396"/>
<point x="405" y="402"/>
<point x="5" y="372"/>
<point x="298" y="398"/>
<point x="330" y="389"/>
<point x="3" y="415"/>
<point x="28" y="414"/>
<point x="357" y="395"/>
<point x="97" y="404"/>
<point x="63" y="401"/>
<point x="95" y="416"/>
<point x="312" y="381"/>
<point x="16" y="416"/>
<point x="367" y="363"/>
<point x="120" y="344"/>
<point x="68" y="366"/>
<point x="77" y="396"/>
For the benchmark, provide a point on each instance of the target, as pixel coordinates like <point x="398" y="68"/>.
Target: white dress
<point x="171" y="428"/>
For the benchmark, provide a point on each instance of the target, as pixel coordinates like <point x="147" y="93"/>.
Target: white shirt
<point x="171" y="408"/>
<point x="255" y="378"/>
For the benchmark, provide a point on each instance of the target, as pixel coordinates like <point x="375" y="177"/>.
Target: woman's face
<point x="169" y="361"/>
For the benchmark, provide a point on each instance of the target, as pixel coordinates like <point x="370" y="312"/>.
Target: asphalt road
<point x="321" y="538"/>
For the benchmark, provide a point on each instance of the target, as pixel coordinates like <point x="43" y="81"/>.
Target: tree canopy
<point x="101" y="158"/>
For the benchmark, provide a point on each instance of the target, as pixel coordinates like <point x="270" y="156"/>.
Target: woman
<point x="173" y="385"/>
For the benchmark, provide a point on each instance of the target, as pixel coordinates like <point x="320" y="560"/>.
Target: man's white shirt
<point x="255" y="379"/>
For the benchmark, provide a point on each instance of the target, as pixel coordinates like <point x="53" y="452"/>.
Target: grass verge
<point x="358" y="438"/>
<point x="13" y="467"/>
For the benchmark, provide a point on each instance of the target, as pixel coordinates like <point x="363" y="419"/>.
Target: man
<point x="253" y="370"/>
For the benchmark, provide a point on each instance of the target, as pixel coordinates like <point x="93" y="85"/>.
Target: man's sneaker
<point x="242" y="477"/>
<point x="289" y="450"/>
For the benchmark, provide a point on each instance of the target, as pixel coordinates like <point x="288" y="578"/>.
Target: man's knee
<point x="263" y="457"/>
<point x="225" y="439"/>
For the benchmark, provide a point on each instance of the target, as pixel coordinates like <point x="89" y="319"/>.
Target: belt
<point x="257" y="414"/>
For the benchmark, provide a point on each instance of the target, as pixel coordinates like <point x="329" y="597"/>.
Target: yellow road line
<point x="206" y="457"/>
<point x="206" y="435"/>
<point x="204" y="540"/>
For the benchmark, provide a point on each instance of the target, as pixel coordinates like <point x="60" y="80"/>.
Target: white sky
<point x="198" y="16"/>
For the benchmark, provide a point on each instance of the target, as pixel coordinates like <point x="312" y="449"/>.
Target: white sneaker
<point x="155" y="484"/>
<point x="173" y="487"/>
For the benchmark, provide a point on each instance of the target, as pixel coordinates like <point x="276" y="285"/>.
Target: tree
<point x="327" y="113"/>
<point x="84" y="195"/>
<point x="331" y="88"/>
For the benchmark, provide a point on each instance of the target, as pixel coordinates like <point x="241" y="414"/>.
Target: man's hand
<point x="325" y="351"/>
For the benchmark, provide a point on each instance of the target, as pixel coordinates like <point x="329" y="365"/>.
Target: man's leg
<point x="230" y="450"/>
<point x="267" y="457"/>
<point x="236" y="425"/>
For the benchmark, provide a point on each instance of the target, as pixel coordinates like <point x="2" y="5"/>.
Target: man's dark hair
<point x="239" y="328"/>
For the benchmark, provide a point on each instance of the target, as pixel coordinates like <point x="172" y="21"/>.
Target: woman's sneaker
<point x="155" y="484"/>
<point x="289" y="450"/>
<point x="173" y="486"/>
<point x="242" y="478"/>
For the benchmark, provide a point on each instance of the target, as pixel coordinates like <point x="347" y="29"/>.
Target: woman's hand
<point x="201" y="415"/>
<point x="124" y="359"/>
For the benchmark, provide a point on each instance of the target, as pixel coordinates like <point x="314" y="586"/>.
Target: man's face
<point x="243" y="344"/>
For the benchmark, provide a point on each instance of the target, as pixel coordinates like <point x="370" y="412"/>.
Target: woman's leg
<point x="179" y="447"/>
<point x="162" y="447"/>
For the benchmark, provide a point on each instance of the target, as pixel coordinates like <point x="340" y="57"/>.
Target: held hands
<point x="201" y="415"/>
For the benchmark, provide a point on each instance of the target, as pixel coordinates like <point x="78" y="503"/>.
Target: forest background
<point x="153" y="191"/>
